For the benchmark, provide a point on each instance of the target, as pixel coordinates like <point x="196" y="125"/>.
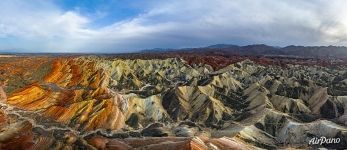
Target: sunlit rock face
<point x="95" y="102"/>
<point x="74" y="93"/>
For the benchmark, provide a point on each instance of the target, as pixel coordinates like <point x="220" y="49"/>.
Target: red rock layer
<point x="220" y="60"/>
<point x="75" y="93"/>
<point x="16" y="136"/>
<point x="168" y="143"/>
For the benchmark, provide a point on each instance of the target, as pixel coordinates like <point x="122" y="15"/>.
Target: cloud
<point x="44" y="26"/>
<point x="41" y="26"/>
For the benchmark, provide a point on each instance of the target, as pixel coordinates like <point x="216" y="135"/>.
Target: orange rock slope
<point x="168" y="143"/>
<point x="74" y="93"/>
<point x="72" y="103"/>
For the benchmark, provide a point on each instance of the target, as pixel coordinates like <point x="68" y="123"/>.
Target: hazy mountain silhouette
<point x="262" y="49"/>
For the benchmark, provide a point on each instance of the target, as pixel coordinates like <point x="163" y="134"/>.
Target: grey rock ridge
<point x="94" y="102"/>
<point x="261" y="50"/>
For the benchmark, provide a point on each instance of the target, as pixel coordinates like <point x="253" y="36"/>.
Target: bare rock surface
<point x="95" y="102"/>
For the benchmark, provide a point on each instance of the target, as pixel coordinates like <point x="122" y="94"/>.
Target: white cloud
<point x="176" y="24"/>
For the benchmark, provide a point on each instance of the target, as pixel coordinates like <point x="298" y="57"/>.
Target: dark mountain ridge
<point x="265" y="50"/>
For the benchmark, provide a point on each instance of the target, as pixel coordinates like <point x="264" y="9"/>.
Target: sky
<point x="113" y="26"/>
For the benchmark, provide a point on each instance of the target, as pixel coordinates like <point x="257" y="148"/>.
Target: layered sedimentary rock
<point x="74" y="93"/>
<point x="195" y="143"/>
<point x="111" y="103"/>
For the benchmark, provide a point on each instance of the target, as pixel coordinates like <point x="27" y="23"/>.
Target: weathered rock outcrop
<point x="74" y="93"/>
<point x="94" y="102"/>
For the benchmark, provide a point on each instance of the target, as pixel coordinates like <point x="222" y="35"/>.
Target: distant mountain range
<point x="228" y="49"/>
<point x="261" y="50"/>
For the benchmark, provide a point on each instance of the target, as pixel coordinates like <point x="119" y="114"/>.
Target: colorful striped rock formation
<point x="108" y="102"/>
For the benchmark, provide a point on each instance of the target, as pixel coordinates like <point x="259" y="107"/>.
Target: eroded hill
<point x="94" y="102"/>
